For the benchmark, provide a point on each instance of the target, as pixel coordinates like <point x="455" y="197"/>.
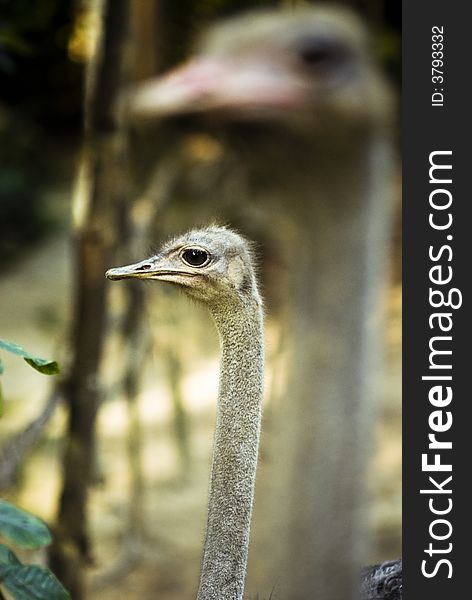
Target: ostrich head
<point x="295" y="68"/>
<point x="212" y="265"/>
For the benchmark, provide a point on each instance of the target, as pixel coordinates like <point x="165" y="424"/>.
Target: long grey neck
<point x="335" y="257"/>
<point x="233" y="472"/>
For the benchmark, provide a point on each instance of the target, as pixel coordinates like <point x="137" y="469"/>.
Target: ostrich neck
<point x="233" y="471"/>
<point x="340" y="215"/>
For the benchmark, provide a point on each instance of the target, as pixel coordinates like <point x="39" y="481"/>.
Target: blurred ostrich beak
<point x="221" y="85"/>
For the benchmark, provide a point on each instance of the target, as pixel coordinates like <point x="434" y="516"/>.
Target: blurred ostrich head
<point x="294" y="67"/>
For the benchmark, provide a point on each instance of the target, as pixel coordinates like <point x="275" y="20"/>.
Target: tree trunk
<point x="100" y="187"/>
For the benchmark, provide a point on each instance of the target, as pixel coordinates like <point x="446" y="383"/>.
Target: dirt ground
<point x="34" y="311"/>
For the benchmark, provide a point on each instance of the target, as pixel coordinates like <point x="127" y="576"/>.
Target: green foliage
<point x="26" y="582"/>
<point x="43" y="365"/>
<point x="37" y="78"/>
<point x="7" y="557"/>
<point x="22" y="19"/>
<point x="23" y="218"/>
<point x="22" y="528"/>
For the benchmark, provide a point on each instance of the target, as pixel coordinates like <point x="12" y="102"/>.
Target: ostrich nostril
<point x="145" y="267"/>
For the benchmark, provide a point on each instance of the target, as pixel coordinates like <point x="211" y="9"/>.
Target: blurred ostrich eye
<point x="195" y="257"/>
<point x="320" y="52"/>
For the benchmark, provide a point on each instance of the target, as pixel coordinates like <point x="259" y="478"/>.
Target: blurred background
<point x="152" y="369"/>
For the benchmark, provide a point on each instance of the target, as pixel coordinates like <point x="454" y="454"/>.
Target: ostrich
<point x="298" y="98"/>
<point x="383" y="582"/>
<point x="215" y="266"/>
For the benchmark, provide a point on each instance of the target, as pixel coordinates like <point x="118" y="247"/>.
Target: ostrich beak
<point x="239" y="87"/>
<point x="157" y="267"/>
<point x="151" y="268"/>
<point x="140" y="270"/>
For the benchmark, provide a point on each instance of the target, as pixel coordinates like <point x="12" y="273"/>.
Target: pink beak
<point x="228" y="86"/>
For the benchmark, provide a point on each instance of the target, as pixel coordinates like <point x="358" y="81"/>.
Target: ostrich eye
<point x="320" y="52"/>
<point x="195" y="257"/>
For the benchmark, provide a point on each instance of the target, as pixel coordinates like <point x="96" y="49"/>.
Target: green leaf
<point x="43" y="365"/>
<point x="2" y="368"/>
<point x="30" y="582"/>
<point x="7" y="557"/>
<point x="22" y="528"/>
